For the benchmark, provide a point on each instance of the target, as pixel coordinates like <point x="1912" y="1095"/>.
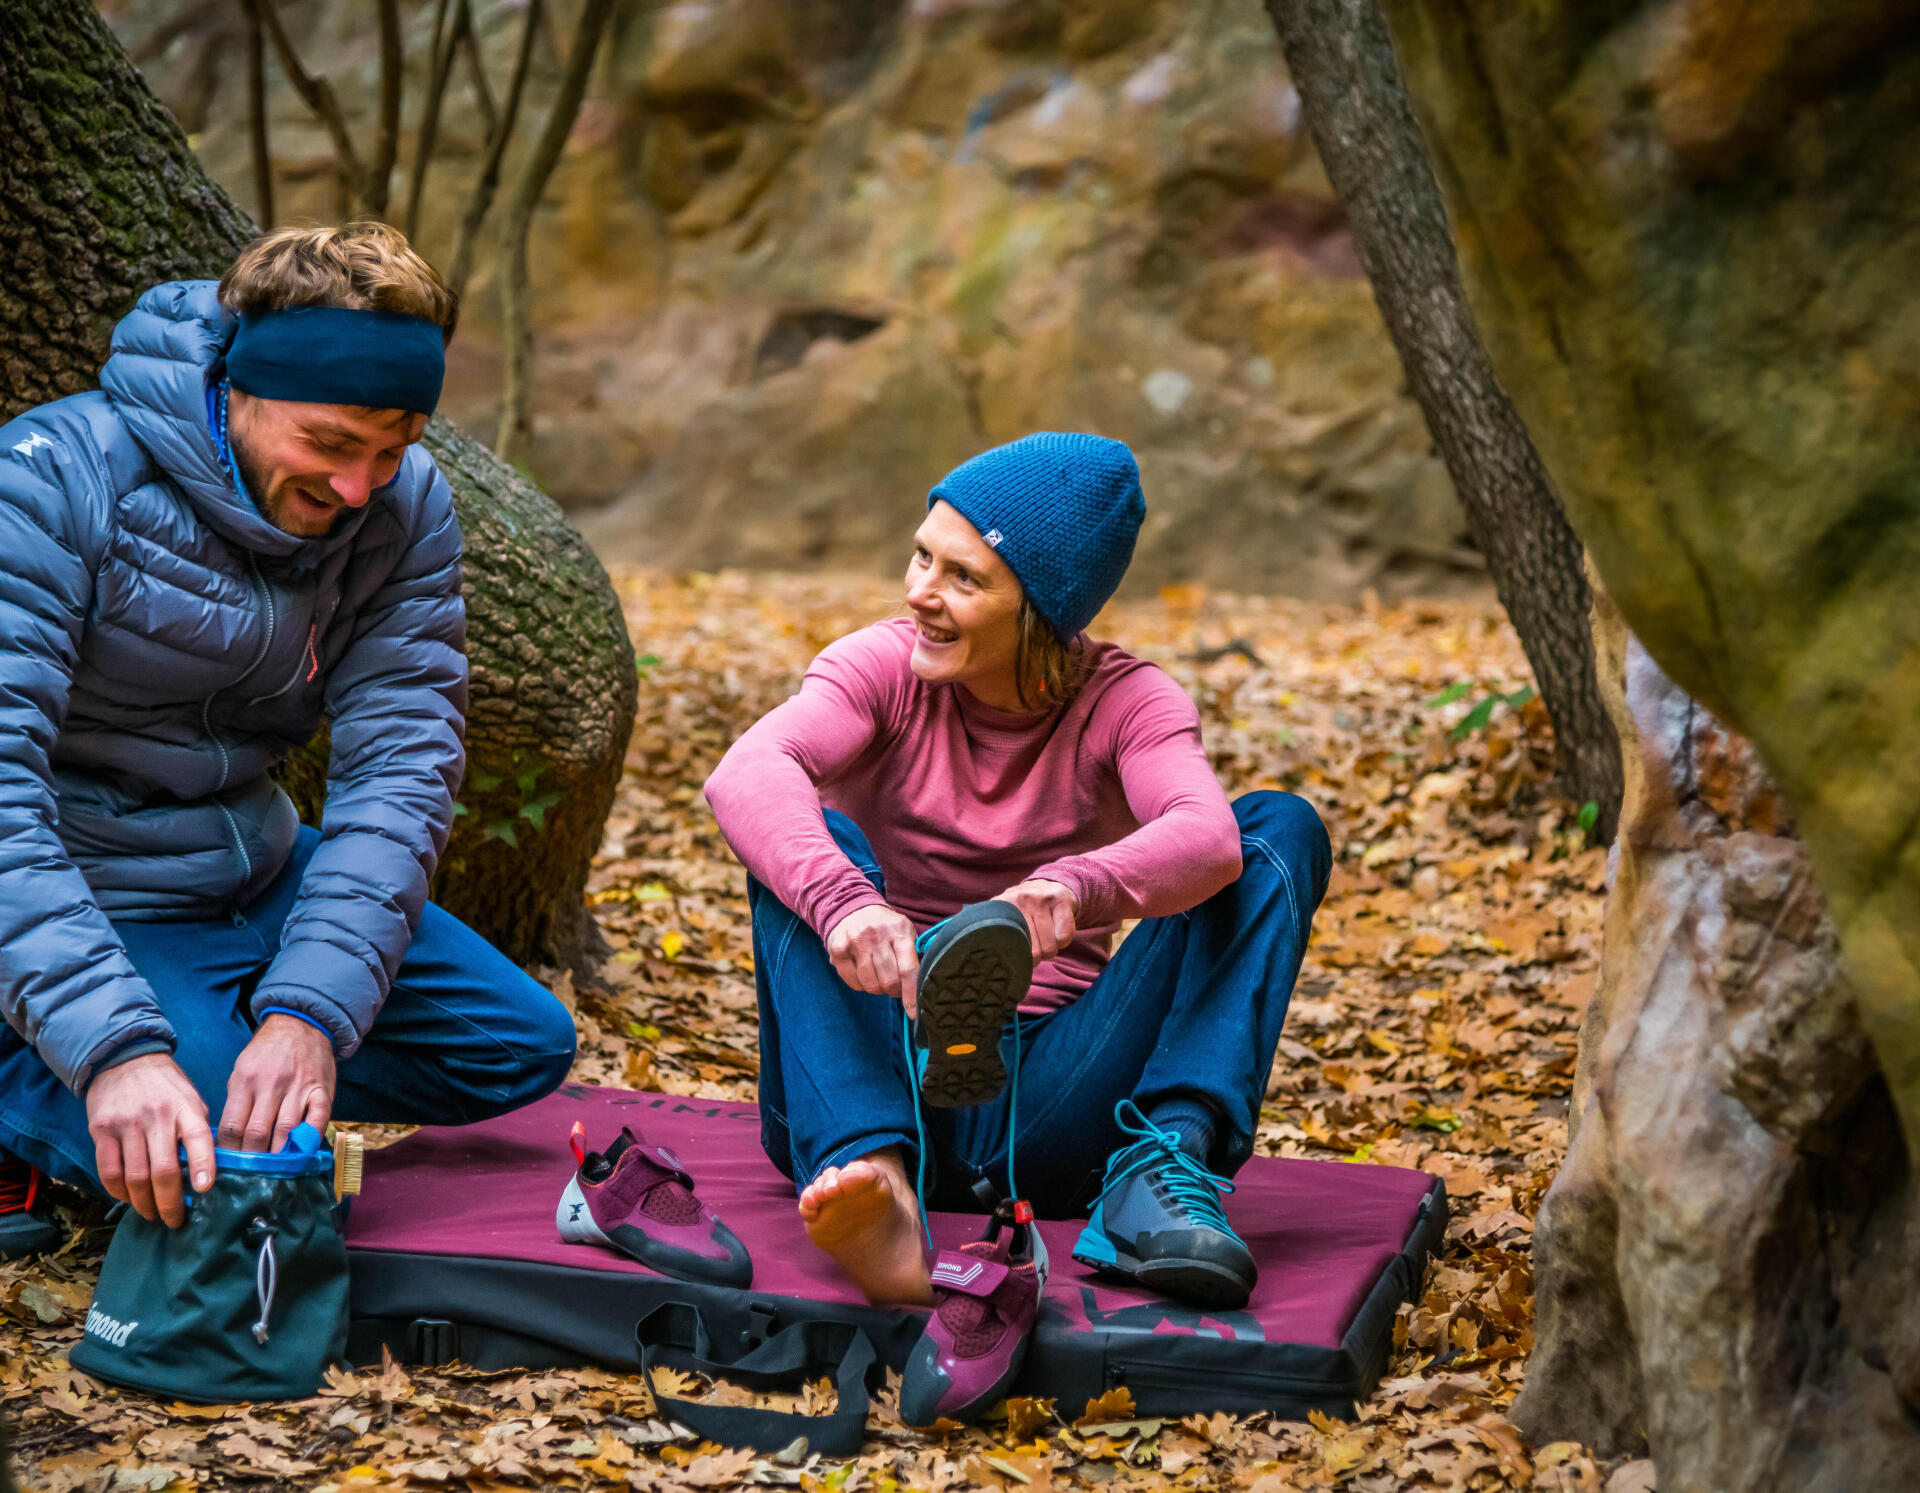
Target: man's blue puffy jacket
<point x="161" y="647"/>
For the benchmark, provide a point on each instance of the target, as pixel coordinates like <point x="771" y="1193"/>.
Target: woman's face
<point x="966" y="609"/>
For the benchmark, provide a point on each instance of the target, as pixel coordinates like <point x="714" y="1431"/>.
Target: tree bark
<point x="100" y="198"/>
<point x="1343" y="64"/>
<point x="516" y="226"/>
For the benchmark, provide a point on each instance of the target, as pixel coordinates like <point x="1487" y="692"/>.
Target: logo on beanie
<point x="993" y="538"/>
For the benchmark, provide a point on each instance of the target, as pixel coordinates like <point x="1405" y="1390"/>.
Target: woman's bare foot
<point x="864" y="1215"/>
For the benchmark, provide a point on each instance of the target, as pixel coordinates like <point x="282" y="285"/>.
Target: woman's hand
<point x="872" y="949"/>
<point x="1049" y="910"/>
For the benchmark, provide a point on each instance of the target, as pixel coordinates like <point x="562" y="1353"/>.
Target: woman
<point x="986" y="748"/>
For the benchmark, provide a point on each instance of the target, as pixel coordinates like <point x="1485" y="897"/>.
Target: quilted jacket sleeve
<point x="397" y="701"/>
<point x="66" y="984"/>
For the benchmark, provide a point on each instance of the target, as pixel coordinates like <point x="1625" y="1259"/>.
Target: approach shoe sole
<point x="974" y="972"/>
<point x="1198" y="1282"/>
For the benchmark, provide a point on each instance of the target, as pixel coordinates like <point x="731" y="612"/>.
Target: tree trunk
<point x="1725" y="1265"/>
<point x="100" y="197"/>
<point x="1355" y="102"/>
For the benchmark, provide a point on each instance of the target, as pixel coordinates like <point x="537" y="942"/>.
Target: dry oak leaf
<point x="1025" y="1418"/>
<point x="1114" y="1405"/>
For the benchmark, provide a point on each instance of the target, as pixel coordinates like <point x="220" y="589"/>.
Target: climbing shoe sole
<point x="974" y="972"/>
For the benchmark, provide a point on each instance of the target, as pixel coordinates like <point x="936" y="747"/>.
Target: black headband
<point x="332" y="355"/>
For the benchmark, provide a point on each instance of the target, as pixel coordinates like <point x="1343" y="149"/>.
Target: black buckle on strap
<point x="431" y="1341"/>
<point x="763" y="1321"/>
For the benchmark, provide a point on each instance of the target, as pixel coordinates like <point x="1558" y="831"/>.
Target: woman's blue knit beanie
<point x="1062" y="509"/>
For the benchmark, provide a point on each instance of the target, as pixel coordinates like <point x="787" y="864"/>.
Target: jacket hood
<point x="166" y="353"/>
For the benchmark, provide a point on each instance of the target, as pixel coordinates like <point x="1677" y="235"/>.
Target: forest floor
<point x="1433" y="1026"/>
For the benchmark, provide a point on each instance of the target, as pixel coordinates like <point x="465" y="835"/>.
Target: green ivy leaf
<point x="535" y="809"/>
<point x="1448" y="695"/>
<point x="1519" y="697"/>
<point x="1475" y="719"/>
<point x="484" y="782"/>
<point x="501" y="829"/>
<point x="1589" y="816"/>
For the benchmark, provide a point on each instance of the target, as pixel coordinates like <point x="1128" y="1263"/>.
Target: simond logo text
<point x="113" y="1333"/>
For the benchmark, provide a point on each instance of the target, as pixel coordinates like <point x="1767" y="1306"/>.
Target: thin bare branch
<point x="477" y="68"/>
<point x="317" y="93"/>
<point x="257" y="115"/>
<point x="488" y="182"/>
<point x="428" y="134"/>
<point x="386" y="147"/>
<point x="516" y="413"/>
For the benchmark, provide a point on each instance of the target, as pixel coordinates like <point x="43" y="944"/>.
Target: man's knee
<point x="854" y="844"/>
<point x="1287" y="826"/>
<point x="551" y="1043"/>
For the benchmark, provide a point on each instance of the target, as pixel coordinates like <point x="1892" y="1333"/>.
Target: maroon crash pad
<point x="455" y="1254"/>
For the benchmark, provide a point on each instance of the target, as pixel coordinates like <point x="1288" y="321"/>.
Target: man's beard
<point x="269" y="503"/>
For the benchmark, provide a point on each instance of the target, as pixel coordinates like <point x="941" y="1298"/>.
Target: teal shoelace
<point x="1186" y="1180"/>
<point x="917" y="1065"/>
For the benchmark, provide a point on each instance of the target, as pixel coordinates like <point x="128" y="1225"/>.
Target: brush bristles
<point x="349" y="1162"/>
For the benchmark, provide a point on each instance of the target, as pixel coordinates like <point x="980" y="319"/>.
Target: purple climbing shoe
<point x="638" y="1199"/>
<point x="985" y="1298"/>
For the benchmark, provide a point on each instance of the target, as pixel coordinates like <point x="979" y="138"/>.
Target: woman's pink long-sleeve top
<point x="1112" y="797"/>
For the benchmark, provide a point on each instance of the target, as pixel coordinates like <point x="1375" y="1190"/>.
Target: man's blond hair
<point x="361" y="266"/>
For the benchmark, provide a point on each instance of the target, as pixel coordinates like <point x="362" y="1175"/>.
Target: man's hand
<point x="284" y="1076"/>
<point x="872" y="949"/>
<point x="1049" y="910"/>
<point x="139" y="1114"/>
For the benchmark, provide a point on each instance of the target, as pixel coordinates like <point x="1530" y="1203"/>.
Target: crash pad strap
<point x="677" y="1335"/>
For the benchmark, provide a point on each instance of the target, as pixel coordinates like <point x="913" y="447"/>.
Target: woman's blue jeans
<point x="464" y="1035"/>
<point x="1189" y="1007"/>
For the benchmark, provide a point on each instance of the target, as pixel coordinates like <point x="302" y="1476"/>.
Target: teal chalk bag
<point x="247" y="1300"/>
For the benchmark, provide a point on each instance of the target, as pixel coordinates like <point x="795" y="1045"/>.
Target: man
<point x="237" y="537"/>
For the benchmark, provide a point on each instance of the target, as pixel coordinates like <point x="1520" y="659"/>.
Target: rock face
<point x="805" y="255"/>
<point x="1725" y="1265"/>
<point x="1691" y="230"/>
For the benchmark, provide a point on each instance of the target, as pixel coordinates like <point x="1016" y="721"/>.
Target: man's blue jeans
<point x="1190" y="1007"/>
<point x="464" y="1034"/>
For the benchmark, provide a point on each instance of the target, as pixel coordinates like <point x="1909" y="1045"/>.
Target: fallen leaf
<point x="1114" y="1405"/>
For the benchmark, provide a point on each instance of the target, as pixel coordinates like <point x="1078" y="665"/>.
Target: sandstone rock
<point x="1691" y="229"/>
<point x="1100" y="214"/>
<point x="1724" y="1266"/>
